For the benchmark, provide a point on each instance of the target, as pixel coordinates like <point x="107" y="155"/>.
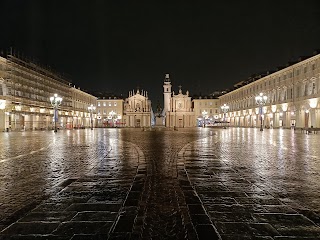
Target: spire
<point x="167" y="77"/>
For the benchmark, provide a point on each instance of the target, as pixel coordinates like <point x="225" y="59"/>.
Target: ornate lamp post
<point x="225" y="109"/>
<point x="261" y="101"/>
<point x="91" y="108"/>
<point x="55" y="102"/>
<point x="112" y="116"/>
<point x="204" y="116"/>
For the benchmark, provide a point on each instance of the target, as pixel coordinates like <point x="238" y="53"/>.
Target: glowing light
<point x="274" y="108"/>
<point x="2" y="104"/>
<point x="313" y="102"/>
<point x="284" y="107"/>
<point x="265" y="109"/>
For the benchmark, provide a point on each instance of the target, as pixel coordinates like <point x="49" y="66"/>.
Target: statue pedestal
<point x="159" y="122"/>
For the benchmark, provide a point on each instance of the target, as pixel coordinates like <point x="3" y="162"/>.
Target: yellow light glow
<point x="2" y="104"/>
<point x="313" y="102"/>
<point x="284" y="107"/>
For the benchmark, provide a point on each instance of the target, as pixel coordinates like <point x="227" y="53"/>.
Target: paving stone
<point x="132" y="184"/>
<point x="48" y="217"/>
<point x="207" y="231"/>
<point x="94" y="216"/>
<point x="232" y="217"/>
<point x="84" y="207"/>
<point x="237" y="228"/>
<point x="31" y="228"/>
<point x="33" y="237"/>
<point x="73" y="227"/>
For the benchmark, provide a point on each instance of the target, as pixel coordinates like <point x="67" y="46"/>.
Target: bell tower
<point x="166" y="94"/>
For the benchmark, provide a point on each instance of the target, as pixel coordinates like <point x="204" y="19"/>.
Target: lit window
<point x="109" y="104"/>
<point x="98" y="104"/>
<point x="115" y="104"/>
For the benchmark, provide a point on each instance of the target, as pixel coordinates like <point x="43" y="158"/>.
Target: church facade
<point x="178" y="111"/>
<point x="137" y="110"/>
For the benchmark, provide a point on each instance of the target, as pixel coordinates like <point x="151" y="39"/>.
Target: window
<point x="109" y="104"/>
<point x="104" y="104"/>
<point x="305" y="69"/>
<point x="313" y="66"/>
<point x="305" y="90"/>
<point x="298" y="71"/>
<point x="115" y="104"/>
<point x="98" y="104"/>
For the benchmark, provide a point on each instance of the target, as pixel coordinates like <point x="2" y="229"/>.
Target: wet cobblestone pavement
<point x="132" y="184"/>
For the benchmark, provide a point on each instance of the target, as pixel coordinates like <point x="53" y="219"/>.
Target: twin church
<point x="177" y="109"/>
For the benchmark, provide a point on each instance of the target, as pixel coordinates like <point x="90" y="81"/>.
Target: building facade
<point x="292" y="92"/>
<point x="82" y="117"/>
<point x="110" y="112"/>
<point x="137" y="110"/>
<point x="206" y="111"/>
<point x="177" y="110"/>
<point x="25" y="91"/>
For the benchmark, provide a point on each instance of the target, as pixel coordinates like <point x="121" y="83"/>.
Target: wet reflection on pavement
<point x="203" y="183"/>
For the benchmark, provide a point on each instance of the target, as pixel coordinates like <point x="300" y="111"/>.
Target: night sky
<point x="115" y="46"/>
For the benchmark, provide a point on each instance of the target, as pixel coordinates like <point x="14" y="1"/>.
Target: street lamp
<point x="261" y="101"/>
<point x="225" y="109"/>
<point x="91" y="108"/>
<point x="112" y="116"/>
<point x="55" y="102"/>
<point x="204" y="115"/>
